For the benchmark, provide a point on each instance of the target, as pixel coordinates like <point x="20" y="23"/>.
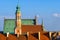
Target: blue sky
<point x="49" y="10"/>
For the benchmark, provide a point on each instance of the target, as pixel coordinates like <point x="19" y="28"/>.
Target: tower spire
<point x="35" y="20"/>
<point x="18" y="7"/>
<point x="18" y="1"/>
<point x="43" y="25"/>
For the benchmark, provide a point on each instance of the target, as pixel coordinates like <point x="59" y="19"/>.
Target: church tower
<point x="18" y="21"/>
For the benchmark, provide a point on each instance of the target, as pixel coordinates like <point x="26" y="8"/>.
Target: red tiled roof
<point x="22" y="37"/>
<point x="2" y="37"/>
<point x="27" y="28"/>
<point x="31" y="28"/>
<point x="43" y="37"/>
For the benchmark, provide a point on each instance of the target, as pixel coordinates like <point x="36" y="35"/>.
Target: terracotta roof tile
<point x="31" y="28"/>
